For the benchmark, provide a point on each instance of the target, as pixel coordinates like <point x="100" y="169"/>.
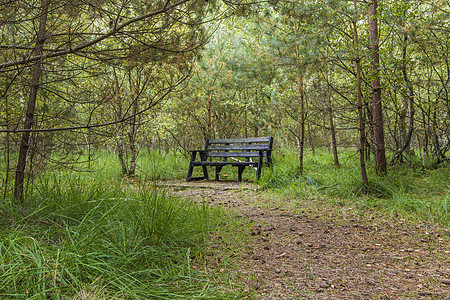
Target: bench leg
<point x="189" y="174"/>
<point x="260" y="162"/>
<point x="191" y="166"/>
<point x="240" y="171"/>
<point x="205" y="173"/>
<point x="218" y="169"/>
<point x="258" y="173"/>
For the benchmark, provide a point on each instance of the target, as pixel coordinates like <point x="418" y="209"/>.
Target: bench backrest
<point x="239" y="147"/>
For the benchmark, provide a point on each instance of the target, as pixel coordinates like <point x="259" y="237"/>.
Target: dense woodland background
<point x="102" y="99"/>
<point x="78" y="77"/>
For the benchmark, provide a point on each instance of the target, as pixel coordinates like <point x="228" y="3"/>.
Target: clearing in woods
<point x="313" y="249"/>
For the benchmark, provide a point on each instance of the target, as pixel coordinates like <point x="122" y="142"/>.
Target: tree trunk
<point x="209" y="120"/>
<point x="301" y="142"/>
<point x="245" y="114"/>
<point x="132" y="138"/>
<point x="89" y="148"/>
<point x="245" y="124"/>
<point x="31" y="106"/>
<point x="378" y="130"/>
<point x="359" y="104"/>
<point x="326" y="143"/>
<point x="310" y="138"/>
<point x="121" y="153"/>
<point x="425" y="142"/>
<point x="406" y="134"/>
<point x="331" y="121"/>
<point x="8" y="148"/>
<point x="256" y="113"/>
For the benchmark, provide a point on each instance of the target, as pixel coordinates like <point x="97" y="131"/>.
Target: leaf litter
<point x="304" y="249"/>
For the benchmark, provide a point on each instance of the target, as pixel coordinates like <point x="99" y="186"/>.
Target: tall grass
<point x="79" y="238"/>
<point x="163" y="166"/>
<point x="409" y="191"/>
<point x="98" y="235"/>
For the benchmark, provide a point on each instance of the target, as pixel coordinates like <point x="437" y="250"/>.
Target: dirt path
<point x="306" y="249"/>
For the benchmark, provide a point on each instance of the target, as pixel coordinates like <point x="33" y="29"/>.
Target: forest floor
<point x="294" y="248"/>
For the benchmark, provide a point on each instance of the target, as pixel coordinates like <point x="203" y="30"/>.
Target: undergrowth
<point x="95" y="237"/>
<point x="409" y="191"/>
<point x="99" y="235"/>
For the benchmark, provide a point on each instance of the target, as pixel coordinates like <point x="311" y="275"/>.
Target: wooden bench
<point x="240" y="151"/>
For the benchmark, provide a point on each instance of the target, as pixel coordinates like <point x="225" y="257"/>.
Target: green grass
<point x="162" y="166"/>
<point x="92" y="236"/>
<point x="99" y="235"/>
<point x="408" y="191"/>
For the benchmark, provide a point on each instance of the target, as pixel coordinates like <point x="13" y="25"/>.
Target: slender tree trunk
<point x="245" y="113"/>
<point x="425" y="145"/>
<point x="132" y="139"/>
<point x="89" y="148"/>
<point x="8" y="148"/>
<point x="301" y="142"/>
<point x="134" y="152"/>
<point x="121" y="154"/>
<point x="331" y="121"/>
<point x="378" y="130"/>
<point x="326" y="143"/>
<point x="359" y="104"/>
<point x="256" y="114"/>
<point x="406" y="134"/>
<point x="310" y="138"/>
<point x="209" y="121"/>
<point x="245" y="124"/>
<point x="31" y="106"/>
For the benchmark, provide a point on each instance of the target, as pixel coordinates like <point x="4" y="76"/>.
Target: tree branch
<point x="88" y="126"/>
<point x="4" y="66"/>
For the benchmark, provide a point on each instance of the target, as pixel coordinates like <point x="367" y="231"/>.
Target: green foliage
<point x="284" y="172"/>
<point x="163" y="166"/>
<point x="79" y="237"/>
<point x="409" y="192"/>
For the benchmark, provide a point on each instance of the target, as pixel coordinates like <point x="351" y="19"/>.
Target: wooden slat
<point x="232" y="154"/>
<point x="226" y="163"/>
<point x="236" y="147"/>
<point x="240" y="140"/>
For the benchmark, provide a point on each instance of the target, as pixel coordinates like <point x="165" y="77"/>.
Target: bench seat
<point x="218" y="151"/>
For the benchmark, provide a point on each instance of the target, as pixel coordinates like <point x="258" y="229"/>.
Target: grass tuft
<point x="76" y="240"/>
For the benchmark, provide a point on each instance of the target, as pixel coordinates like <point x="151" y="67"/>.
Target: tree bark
<point x="132" y="139"/>
<point x="132" y="134"/>
<point x="331" y="121"/>
<point x="245" y="113"/>
<point x="406" y="135"/>
<point x="121" y="153"/>
<point x="378" y="130"/>
<point x="7" y="150"/>
<point x="31" y="105"/>
<point x="301" y="144"/>
<point x="209" y="116"/>
<point x="359" y="104"/>
<point x="326" y="143"/>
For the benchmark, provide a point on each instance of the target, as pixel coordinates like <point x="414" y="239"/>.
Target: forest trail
<point x="308" y="249"/>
